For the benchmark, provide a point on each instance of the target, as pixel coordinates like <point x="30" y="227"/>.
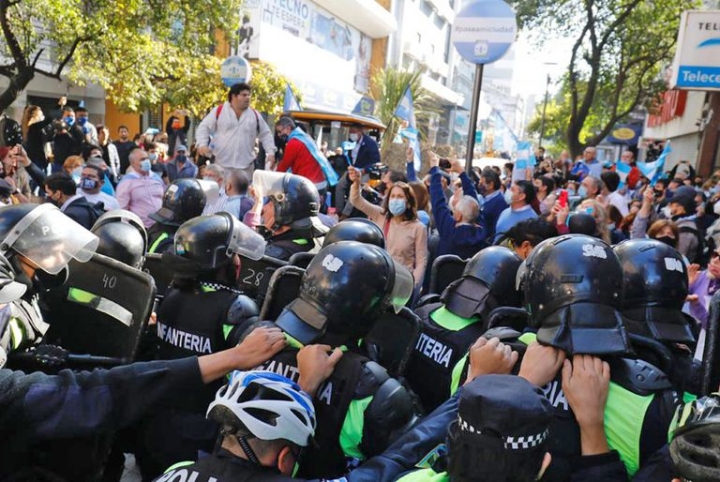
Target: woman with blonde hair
<point x="599" y="212"/>
<point x="37" y="131"/>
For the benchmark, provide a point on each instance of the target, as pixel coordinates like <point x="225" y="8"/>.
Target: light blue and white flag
<point x="655" y="170"/>
<point x="406" y="112"/>
<point x="622" y="170"/>
<point x="524" y="158"/>
<point x="290" y="102"/>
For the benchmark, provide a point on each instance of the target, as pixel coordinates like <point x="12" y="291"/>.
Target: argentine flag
<point x="406" y="112"/>
<point x="524" y="159"/>
<point x="654" y="170"/>
<point x="622" y="170"/>
<point x="290" y="102"/>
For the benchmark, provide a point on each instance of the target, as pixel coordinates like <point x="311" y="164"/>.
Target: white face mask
<point x="354" y="137"/>
<point x="666" y="212"/>
<point x="508" y="197"/>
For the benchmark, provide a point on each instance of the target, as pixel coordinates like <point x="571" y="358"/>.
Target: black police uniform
<point x="161" y="237"/>
<point x="191" y="323"/>
<point x="283" y="246"/>
<point x="359" y="409"/>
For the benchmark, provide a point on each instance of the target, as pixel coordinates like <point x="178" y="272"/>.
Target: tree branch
<point x="619" y="20"/>
<point x="12" y="42"/>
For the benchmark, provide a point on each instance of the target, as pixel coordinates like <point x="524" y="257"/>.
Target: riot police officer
<point x="202" y="312"/>
<point x="122" y="237"/>
<point x="449" y="327"/>
<point x="656" y="286"/>
<point x="39" y="241"/>
<point x="290" y="207"/>
<point x="184" y="199"/>
<point x="573" y="291"/>
<point x="360" y="408"/>
<point x="355" y="229"/>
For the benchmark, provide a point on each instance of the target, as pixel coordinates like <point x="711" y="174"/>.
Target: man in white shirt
<point x="216" y="174"/>
<point x="229" y="131"/>
<point x="91" y="182"/>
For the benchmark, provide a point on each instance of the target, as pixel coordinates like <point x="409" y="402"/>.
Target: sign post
<point x="483" y="31"/>
<point x="697" y="58"/>
<point x="234" y="70"/>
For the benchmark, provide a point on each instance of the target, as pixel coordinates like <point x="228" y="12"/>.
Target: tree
<point x="388" y="87"/>
<point x="620" y="48"/>
<point x="143" y="52"/>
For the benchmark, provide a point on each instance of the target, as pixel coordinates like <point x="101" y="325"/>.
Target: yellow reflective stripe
<point x="157" y="242"/>
<point x="179" y="465"/>
<point x="352" y="429"/>
<point x="528" y="338"/>
<point x="226" y="330"/>
<point x="457" y="371"/>
<point x="17" y="334"/>
<point x="301" y="242"/>
<point x="449" y="320"/>
<point x="624" y="416"/>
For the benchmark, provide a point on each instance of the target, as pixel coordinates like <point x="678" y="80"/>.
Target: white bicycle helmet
<point x="267" y="405"/>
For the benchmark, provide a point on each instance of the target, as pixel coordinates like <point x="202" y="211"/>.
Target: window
<point x="439" y="22"/>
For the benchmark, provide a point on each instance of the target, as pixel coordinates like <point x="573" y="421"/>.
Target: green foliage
<point x="388" y="87"/>
<point x="143" y="52"/>
<point x="620" y="48"/>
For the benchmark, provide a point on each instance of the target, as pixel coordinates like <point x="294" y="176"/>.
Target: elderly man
<point x="216" y="174"/>
<point x="181" y="167"/>
<point x="141" y="191"/>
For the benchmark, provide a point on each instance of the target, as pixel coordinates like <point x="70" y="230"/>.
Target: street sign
<point x="478" y="137"/>
<point x="484" y="30"/>
<point x="235" y="70"/>
<point x="697" y="58"/>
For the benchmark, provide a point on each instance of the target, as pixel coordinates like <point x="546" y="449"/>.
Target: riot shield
<point x="102" y="310"/>
<point x="284" y="287"/>
<point x="445" y="269"/>
<point x="392" y="339"/>
<point x="255" y="276"/>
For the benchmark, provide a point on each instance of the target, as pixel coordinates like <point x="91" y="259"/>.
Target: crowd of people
<point x="311" y="328"/>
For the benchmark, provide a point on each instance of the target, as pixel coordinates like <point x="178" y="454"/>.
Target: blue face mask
<point x="145" y="165"/>
<point x="82" y="120"/>
<point x="582" y="192"/>
<point x="88" y="184"/>
<point x="397" y="206"/>
<point x="69" y="120"/>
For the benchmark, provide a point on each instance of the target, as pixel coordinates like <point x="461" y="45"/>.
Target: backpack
<point x="95" y="210"/>
<point x="705" y="247"/>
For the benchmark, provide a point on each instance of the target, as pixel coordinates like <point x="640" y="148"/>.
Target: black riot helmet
<point x="573" y="290"/>
<point x="656" y="285"/>
<point x="44" y="236"/>
<point x="206" y="243"/>
<point x="344" y="289"/>
<point x="295" y="198"/>
<point x="184" y="199"/>
<point x="122" y="237"/>
<point x="355" y="229"/>
<point x="488" y="281"/>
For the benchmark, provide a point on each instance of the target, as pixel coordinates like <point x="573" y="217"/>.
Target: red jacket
<point x="302" y="163"/>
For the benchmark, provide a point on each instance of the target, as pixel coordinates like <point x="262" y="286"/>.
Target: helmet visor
<point x="245" y="241"/>
<point x="267" y="183"/>
<point x="211" y="190"/>
<point x="402" y="288"/>
<point x="49" y="239"/>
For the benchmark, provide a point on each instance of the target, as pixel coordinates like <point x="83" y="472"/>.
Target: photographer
<point x="69" y="138"/>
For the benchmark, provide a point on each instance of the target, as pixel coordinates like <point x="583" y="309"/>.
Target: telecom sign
<point x="697" y="59"/>
<point x="484" y="30"/>
<point x="234" y="70"/>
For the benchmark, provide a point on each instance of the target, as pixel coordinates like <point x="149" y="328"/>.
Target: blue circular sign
<point x="234" y="70"/>
<point x="484" y="30"/>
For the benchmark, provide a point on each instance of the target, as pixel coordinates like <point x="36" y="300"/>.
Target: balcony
<point x="368" y="16"/>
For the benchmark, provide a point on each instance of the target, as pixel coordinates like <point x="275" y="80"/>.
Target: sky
<point x="533" y="64"/>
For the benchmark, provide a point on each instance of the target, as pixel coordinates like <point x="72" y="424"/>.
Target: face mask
<point x="69" y="120"/>
<point x="582" y="192"/>
<point x="181" y="158"/>
<point x="82" y="121"/>
<point x="666" y="212"/>
<point x="354" y="137"/>
<point x="88" y="184"/>
<point x="667" y="240"/>
<point x="208" y="178"/>
<point x="145" y="165"/>
<point x="571" y="192"/>
<point x="152" y="156"/>
<point x="397" y="206"/>
<point x="508" y="197"/>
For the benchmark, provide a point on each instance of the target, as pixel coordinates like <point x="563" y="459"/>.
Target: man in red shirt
<point x="297" y="157"/>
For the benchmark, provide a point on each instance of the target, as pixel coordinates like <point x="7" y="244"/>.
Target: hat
<point x="504" y="411"/>
<point x="685" y="196"/>
<point x="181" y="147"/>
